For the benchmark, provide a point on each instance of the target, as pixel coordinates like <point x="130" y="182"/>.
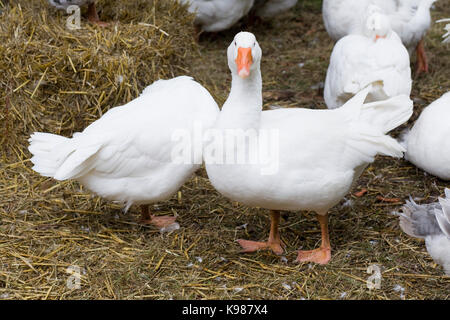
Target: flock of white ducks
<point x="126" y="155"/>
<point x="373" y="54"/>
<point x="410" y="19"/>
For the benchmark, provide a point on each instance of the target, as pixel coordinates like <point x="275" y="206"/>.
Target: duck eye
<point x="235" y="43"/>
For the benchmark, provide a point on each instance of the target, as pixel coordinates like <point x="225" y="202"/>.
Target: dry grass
<point x="60" y="80"/>
<point x="47" y="226"/>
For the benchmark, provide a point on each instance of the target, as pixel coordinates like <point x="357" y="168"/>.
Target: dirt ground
<point x="47" y="226"/>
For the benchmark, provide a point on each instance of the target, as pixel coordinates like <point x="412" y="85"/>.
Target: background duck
<point x="316" y="155"/>
<point x="218" y="15"/>
<point x="270" y="8"/>
<point x="375" y="56"/>
<point x="428" y="143"/>
<point x="432" y="223"/>
<point x="410" y="19"/>
<point x="126" y="155"/>
<point x="92" y="10"/>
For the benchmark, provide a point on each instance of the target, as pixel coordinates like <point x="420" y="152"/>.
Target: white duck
<point x="410" y="19"/>
<point x="218" y="15"/>
<point x="128" y="154"/>
<point x="314" y="156"/>
<point x="375" y="56"/>
<point x="432" y="223"/>
<point x="270" y="8"/>
<point x="92" y="10"/>
<point x="427" y="143"/>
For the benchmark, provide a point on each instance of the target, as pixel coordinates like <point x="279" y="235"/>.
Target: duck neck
<point x="244" y="104"/>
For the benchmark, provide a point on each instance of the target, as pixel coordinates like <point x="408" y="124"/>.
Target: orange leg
<point x="274" y="242"/>
<point x="323" y="254"/>
<point x="422" y="63"/>
<point x="93" y="16"/>
<point x="163" y="223"/>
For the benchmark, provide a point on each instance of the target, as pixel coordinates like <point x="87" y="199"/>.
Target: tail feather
<point x="388" y="114"/>
<point x="58" y="157"/>
<point x="371" y="121"/>
<point x="77" y="162"/>
<point x="46" y="149"/>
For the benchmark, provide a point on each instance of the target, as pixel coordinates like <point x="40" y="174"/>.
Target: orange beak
<point x="379" y="37"/>
<point x="243" y="61"/>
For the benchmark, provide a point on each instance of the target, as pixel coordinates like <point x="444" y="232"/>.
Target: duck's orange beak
<point x="379" y="37"/>
<point x="243" y="61"/>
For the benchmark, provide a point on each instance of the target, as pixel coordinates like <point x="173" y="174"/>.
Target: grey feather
<point x="443" y="215"/>
<point x="419" y="221"/>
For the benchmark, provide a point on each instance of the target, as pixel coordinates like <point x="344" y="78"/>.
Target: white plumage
<point x="218" y="15"/>
<point x="270" y="8"/>
<point x="126" y="155"/>
<point x="320" y="152"/>
<point x="428" y="142"/>
<point x="373" y="57"/>
<point x="410" y="19"/>
<point x="432" y="223"/>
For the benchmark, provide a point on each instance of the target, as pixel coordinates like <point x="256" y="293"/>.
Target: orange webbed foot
<point x="320" y="255"/>
<point x="163" y="223"/>
<point x="93" y="16"/>
<point x="253" y="246"/>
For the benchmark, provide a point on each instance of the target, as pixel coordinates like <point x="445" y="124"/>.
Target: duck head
<point x="244" y="55"/>
<point x="376" y="24"/>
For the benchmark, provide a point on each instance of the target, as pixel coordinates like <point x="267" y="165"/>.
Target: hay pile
<point x="59" y="80"/>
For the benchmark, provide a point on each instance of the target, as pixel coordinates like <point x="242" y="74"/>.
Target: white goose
<point x="314" y="155"/>
<point x="218" y="15"/>
<point x="432" y="223"/>
<point x="92" y="10"/>
<point x="410" y="19"/>
<point x="126" y="155"/>
<point x="428" y="143"/>
<point x="375" y="56"/>
<point x="271" y="8"/>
